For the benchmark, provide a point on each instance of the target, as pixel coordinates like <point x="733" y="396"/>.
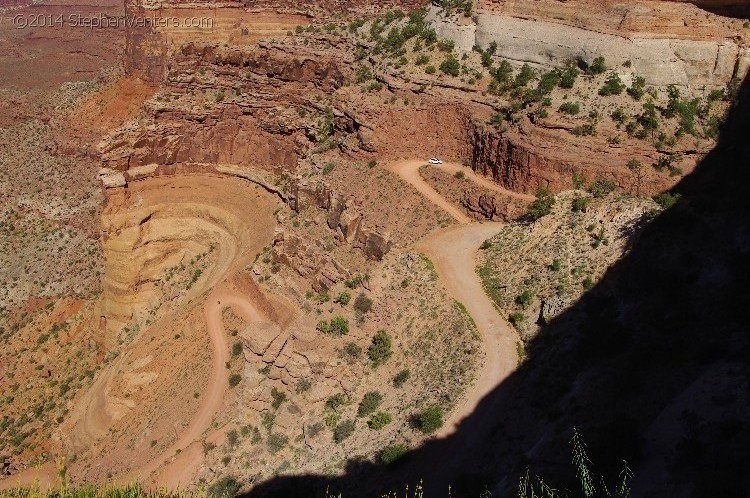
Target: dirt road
<point x="177" y="467"/>
<point x="452" y="251"/>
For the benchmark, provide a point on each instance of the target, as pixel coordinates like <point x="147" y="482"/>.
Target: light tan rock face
<point x="168" y="240"/>
<point x="666" y="43"/>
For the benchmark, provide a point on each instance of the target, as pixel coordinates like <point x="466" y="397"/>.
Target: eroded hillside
<point x="237" y="238"/>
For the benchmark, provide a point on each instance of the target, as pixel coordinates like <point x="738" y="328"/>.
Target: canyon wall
<point x="663" y="56"/>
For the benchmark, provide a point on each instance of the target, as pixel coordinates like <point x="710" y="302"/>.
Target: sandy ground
<point x="453" y="250"/>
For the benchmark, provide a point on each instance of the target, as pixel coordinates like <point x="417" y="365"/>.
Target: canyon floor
<point x="227" y="264"/>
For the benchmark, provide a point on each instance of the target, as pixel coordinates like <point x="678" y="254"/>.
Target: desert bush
<point x="343" y="298"/>
<point x="335" y="401"/>
<point x="430" y="419"/>
<point x="568" y="76"/>
<point x="421" y="60"/>
<point x="234" y="379"/>
<point x="225" y="487"/>
<point x="666" y="199"/>
<point x="379" y="420"/>
<point x="460" y="175"/>
<point x="613" y="85"/>
<point x="237" y="348"/>
<point x="370" y="402"/>
<point x="303" y="385"/>
<point x="602" y="187"/>
<point x="598" y="66"/>
<point x="450" y="66"/>
<point x="580" y="204"/>
<point x="278" y="398"/>
<point x="392" y="453"/>
<point x="380" y="349"/>
<point x="362" y="303"/>
<point x="338" y="326"/>
<point x="637" y="88"/>
<point x="363" y="73"/>
<point x="276" y="442"/>
<point x="351" y="352"/>
<point x="570" y="107"/>
<point x="343" y="430"/>
<point x="524" y="299"/>
<point x="541" y="206"/>
<point x="400" y="378"/>
<point x="517" y="318"/>
<point x="524" y="76"/>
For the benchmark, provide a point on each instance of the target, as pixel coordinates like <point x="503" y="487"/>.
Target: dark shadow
<point x="728" y="8"/>
<point x="651" y="366"/>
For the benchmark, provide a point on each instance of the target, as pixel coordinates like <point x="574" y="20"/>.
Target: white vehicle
<point x="435" y="160"/>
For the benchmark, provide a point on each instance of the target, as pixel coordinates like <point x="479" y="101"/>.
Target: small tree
<point x="450" y="66"/>
<point x="635" y="166"/>
<point x="612" y="86"/>
<point x="370" y="402"/>
<point x="380" y="349"/>
<point x="379" y="420"/>
<point x="392" y="453"/>
<point x="598" y="66"/>
<point x="362" y="303"/>
<point x="343" y="430"/>
<point x="431" y="419"/>
<point x="542" y="206"/>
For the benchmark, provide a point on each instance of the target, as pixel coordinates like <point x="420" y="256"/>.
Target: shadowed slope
<point x="651" y="365"/>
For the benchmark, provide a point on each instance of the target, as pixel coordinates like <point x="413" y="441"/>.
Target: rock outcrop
<point x="548" y="34"/>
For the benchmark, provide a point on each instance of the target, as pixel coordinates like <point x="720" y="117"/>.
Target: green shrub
<point x="524" y="76"/>
<point x="278" y="398"/>
<point x="225" y="487"/>
<point x="446" y="45"/>
<point x="392" y="453"/>
<point x="335" y="401"/>
<point x="338" y="326"/>
<point x="580" y="204"/>
<point x="524" y="299"/>
<point x="450" y="66"/>
<point x="343" y="430"/>
<point x="343" y="298"/>
<point x="351" y="352"/>
<point x="234" y="379"/>
<point x="612" y="86"/>
<point x="380" y="350"/>
<point x="666" y="200"/>
<point x="429" y="69"/>
<point x="637" y="88"/>
<point x="541" y="206"/>
<point x="363" y="73"/>
<point x="568" y="76"/>
<point x="578" y="180"/>
<point x="460" y="175"/>
<point x="598" y="66"/>
<point x="237" y="348"/>
<point x="422" y="60"/>
<point x="570" y="107"/>
<point x="430" y="419"/>
<point x="370" y="402"/>
<point x="619" y="115"/>
<point x="400" y="379"/>
<point x="587" y="129"/>
<point x="517" y="318"/>
<point x="276" y="442"/>
<point x="303" y="385"/>
<point x="601" y="187"/>
<point x="362" y="303"/>
<point x="588" y="283"/>
<point x="379" y="420"/>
